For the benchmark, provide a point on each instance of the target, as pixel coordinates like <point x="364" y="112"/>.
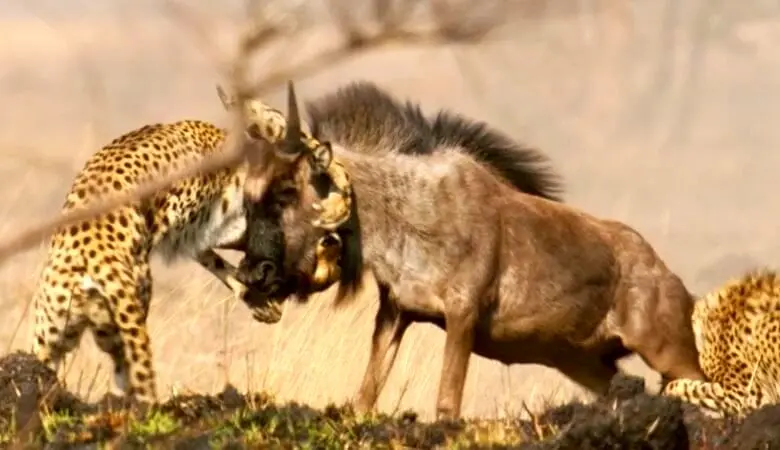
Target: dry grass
<point x="69" y="84"/>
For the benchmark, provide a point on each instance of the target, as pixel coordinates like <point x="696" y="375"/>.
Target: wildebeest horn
<point x="291" y="146"/>
<point x="290" y="140"/>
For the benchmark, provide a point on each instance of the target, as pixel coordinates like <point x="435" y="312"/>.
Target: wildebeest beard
<point x="265" y="242"/>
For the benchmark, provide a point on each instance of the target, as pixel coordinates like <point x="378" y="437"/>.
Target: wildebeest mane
<point x="366" y="118"/>
<point x="361" y="115"/>
<point x="525" y="168"/>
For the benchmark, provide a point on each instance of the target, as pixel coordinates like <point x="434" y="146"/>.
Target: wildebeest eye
<point x="287" y="195"/>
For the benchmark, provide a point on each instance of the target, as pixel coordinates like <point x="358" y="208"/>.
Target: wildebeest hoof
<point x="446" y="415"/>
<point x="361" y="409"/>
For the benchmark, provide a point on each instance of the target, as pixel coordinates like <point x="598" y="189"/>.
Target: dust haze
<point x="658" y="114"/>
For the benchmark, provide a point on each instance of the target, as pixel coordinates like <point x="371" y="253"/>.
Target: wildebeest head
<point x="298" y="203"/>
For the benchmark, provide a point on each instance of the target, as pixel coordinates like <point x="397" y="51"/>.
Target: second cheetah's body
<point x="737" y="329"/>
<point x="97" y="273"/>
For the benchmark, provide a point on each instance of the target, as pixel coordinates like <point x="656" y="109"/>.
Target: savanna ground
<point x="656" y="114"/>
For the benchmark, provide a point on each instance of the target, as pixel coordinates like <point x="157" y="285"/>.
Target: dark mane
<point x="362" y="115"/>
<point x="525" y="168"/>
<point x="368" y="119"/>
<point x="352" y="264"/>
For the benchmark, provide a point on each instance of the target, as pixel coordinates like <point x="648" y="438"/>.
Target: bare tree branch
<point x="262" y="32"/>
<point x="450" y="27"/>
<point x="392" y="15"/>
<point x="338" y="55"/>
<point x="33" y="235"/>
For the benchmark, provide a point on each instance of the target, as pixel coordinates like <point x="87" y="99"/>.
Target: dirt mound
<point x="760" y="430"/>
<point x="27" y="386"/>
<point x="629" y="420"/>
<point x="34" y="409"/>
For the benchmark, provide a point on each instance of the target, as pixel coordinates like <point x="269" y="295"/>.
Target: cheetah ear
<point x="227" y="101"/>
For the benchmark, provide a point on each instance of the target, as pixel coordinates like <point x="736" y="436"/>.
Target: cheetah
<point x="737" y="330"/>
<point x="97" y="276"/>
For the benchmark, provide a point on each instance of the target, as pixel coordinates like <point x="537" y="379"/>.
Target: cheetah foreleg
<point x="712" y="398"/>
<point x="263" y="309"/>
<point x="223" y="270"/>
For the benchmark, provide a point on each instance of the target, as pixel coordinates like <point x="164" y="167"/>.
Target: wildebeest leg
<point x="594" y="373"/>
<point x="459" y="343"/>
<point x="389" y="327"/>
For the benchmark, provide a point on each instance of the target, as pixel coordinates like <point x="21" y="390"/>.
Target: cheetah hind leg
<point x="108" y="340"/>
<point x="106" y="334"/>
<point x="119" y="327"/>
<point x="713" y="399"/>
<point x="54" y="340"/>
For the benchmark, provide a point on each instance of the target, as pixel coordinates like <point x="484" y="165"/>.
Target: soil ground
<point x="35" y="410"/>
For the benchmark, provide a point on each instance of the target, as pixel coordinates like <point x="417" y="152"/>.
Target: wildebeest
<point x="510" y="276"/>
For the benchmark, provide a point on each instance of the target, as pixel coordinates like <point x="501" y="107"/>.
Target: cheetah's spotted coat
<point x="97" y="273"/>
<point x="737" y="331"/>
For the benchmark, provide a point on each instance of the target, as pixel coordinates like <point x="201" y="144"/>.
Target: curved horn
<point x="291" y="146"/>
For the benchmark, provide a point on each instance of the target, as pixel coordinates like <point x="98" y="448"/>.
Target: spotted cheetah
<point x="97" y="273"/>
<point x="737" y="330"/>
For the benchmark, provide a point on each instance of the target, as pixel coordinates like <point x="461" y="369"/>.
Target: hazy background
<point x="657" y="113"/>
